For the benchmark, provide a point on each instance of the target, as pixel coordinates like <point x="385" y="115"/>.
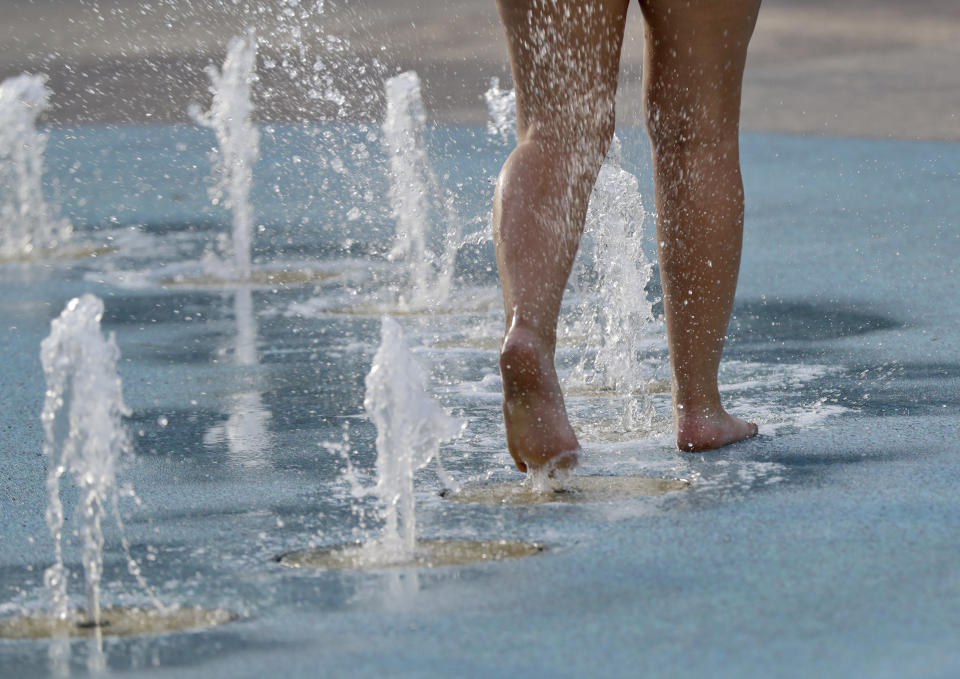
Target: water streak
<point x="27" y="223"/>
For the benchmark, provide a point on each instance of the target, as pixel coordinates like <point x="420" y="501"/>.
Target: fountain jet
<point x="416" y="198"/>
<point x="621" y="312"/>
<point x="27" y="223"/>
<point x="238" y="143"/>
<point x="410" y="428"/>
<point x="84" y="401"/>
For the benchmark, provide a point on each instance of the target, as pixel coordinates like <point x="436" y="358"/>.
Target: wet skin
<point x="565" y="58"/>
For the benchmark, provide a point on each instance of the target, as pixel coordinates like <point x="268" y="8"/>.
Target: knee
<point x="604" y="130"/>
<point x="681" y="127"/>
<point x="579" y="143"/>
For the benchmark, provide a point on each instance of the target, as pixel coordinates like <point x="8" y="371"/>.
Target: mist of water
<point x="27" y="222"/>
<point x="238" y="143"/>
<point x="83" y="435"/>
<point x="411" y="425"/>
<point x="416" y="199"/>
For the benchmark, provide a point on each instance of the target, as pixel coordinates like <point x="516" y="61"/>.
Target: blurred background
<point x="880" y="68"/>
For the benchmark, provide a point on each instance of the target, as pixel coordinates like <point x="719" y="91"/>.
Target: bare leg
<point x="565" y="56"/>
<point x="694" y="58"/>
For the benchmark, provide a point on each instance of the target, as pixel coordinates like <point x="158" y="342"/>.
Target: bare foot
<point x="539" y="434"/>
<point x="706" y="431"/>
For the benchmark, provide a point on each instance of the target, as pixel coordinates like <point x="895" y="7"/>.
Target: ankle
<point x="524" y="344"/>
<point x="528" y="331"/>
<point x="697" y="407"/>
<point x="521" y="361"/>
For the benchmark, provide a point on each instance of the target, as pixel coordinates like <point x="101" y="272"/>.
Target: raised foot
<point x="539" y="435"/>
<point x="707" y="431"/>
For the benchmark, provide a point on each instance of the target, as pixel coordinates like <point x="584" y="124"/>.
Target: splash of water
<point x="80" y="367"/>
<point x="238" y="142"/>
<point x="620" y="313"/>
<point x="410" y="428"/>
<point x="414" y="194"/>
<point x="616" y="312"/>
<point x="502" y="107"/>
<point x="27" y="224"/>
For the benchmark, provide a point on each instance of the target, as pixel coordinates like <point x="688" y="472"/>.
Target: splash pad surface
<point x="835" y="531"/>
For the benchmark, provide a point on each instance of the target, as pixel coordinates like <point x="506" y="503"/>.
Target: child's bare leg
<point x="565" y="57"/>
<point x="695" y="54"/>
